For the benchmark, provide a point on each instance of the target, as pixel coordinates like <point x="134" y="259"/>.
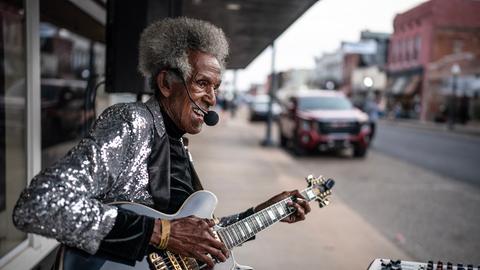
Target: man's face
<point x="202" y="85"/>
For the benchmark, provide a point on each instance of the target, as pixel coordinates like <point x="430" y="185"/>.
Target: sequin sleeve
<point x="65" y="201"/>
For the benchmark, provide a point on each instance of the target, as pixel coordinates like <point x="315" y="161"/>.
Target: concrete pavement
<point x="233" y="165"/>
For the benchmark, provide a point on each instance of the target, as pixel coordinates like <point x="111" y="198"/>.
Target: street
<point x="452" y="155"/>
<point x="382" y="206"/>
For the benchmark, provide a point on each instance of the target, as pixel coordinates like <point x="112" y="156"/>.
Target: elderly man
<point x="135" y="152"/>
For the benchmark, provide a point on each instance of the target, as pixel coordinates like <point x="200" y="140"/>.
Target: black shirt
<point x="130" y="236"/>
<point x="181" y="186"/>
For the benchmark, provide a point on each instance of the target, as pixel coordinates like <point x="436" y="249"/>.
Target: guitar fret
<point x="276" y="213"/>
<point x="287" y="211"/>
<point x="262" y="219"/>
<point x="226" y="238"/>
<point x="265" y="218"/>
<point x="237" y="234"/>
<point x="233" y="235"/>
<point x="245" y="230"/>
<point x="280" y="210"/>
<point x="253" y="224"/>
<point x="248" y="227"/>
<point x="241" y="231"/>
<point x="278" y="216"/>
<point x="258" y="219"/>
<point x="271" y="214"/>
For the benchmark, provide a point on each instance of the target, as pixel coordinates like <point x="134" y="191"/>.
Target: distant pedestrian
<point x="371" y="108"/>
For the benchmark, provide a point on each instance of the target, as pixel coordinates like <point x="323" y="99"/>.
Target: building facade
<point x="422" y="36"/>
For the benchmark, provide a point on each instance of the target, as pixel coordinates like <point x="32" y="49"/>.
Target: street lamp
<point x="455" y="70"/>
<point x="368" y="82"/>
<point x="368" y="86"/>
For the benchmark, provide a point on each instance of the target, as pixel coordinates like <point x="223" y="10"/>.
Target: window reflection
<point x="12" y="119"/>
<point x="67" y="63"/>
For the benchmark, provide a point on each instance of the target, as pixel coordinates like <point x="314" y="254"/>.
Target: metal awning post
<point x="452" y="112"/>
<point x="235" y="94"/>
<point x="273" y="83"/>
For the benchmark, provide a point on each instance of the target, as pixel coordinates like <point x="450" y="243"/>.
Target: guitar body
<point x="201" y="204"/>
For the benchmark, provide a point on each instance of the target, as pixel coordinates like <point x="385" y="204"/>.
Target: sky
<point x="321" y="30"/>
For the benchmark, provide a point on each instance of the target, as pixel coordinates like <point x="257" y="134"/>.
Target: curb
<point x="459" y="129"/>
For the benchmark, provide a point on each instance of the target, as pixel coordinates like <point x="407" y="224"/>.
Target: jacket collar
<point x="154" y="108"/>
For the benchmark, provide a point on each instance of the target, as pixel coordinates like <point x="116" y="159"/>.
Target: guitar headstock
<point x="320" y="189"/>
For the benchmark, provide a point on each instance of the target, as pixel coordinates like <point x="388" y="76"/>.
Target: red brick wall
<point x="448" y="40"/>
<point x="443" y="26"/>
<point x="428" y="20"/>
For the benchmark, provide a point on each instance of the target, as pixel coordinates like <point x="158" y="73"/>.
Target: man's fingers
<point x="300" y="213"/>
<point x="210" y="222"/>
<point x="217" y="253"/>
<point x="219" y="246"/>
<point x="304" y="204"/>
<point x="297" y="194"/>
<point x="204" y="258"/>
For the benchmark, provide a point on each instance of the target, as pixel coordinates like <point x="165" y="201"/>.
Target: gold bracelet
<point x="165" y="234"/>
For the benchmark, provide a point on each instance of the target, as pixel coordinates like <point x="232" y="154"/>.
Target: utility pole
<point x="273" y="83"/>
<point x="452" y="112"/>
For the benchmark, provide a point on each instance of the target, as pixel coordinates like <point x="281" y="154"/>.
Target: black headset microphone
<point x="209" y="117"/>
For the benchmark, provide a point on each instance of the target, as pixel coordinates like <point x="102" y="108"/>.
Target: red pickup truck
<point x="322" y="120"/>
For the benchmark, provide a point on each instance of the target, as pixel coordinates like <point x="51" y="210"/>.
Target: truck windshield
<point x="324" y="103"/>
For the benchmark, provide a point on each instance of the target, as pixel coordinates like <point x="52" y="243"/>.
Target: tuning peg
<point x="323" y="203"/>
<point x="329" y="183"/>
<point x="320" y="179"/>
<point x="309" y="178"/>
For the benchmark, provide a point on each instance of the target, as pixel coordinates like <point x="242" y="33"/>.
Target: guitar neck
<point x="239" y="232"/>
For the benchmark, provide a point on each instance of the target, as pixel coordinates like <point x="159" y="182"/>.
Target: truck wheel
<point x="359" y="151"/>
<point x="298" y="150"/>
<point x="282" y="138"/>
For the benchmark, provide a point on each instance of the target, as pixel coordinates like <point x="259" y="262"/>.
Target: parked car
<point x="258" y="108"/>
<point x="323" y="120"/>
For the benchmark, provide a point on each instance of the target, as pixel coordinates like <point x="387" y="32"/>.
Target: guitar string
<point x="264" y="217"/>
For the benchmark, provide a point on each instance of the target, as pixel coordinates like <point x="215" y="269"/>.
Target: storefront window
<point x="13" y="168"/>
<point x="67" y="63"/>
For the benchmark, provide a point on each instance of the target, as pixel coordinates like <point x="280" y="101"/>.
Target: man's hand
<point x="301" y="205"/>
<point x="193" y="237"/>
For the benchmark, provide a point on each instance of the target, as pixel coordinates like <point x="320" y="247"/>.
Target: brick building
<point x="422" y="36"/>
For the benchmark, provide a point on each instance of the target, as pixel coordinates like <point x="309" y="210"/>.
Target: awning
<point x="250" y="25"/>
<point x="399" y="85"/>
<point x="413" y="85"/>
<point x="405" y="85"/>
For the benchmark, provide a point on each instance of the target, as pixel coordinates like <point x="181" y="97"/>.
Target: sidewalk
<point x="472" y="128"/>
<point x="232" y="164"/>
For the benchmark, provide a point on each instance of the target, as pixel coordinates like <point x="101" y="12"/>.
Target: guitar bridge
<point x="156" y="261"/>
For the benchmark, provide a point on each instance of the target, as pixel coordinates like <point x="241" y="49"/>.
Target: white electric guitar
<point x="201" y="204"/>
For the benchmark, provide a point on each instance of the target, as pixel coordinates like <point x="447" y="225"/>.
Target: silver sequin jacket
<point x="67" y="200"/>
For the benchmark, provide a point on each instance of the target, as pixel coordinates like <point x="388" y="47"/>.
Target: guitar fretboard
<point x="245" y="229"/>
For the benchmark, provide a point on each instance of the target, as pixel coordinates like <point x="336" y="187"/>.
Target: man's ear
<point x="163" y="83"/>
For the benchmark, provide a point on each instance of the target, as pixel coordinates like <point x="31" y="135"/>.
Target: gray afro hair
<point x="166" y="43"/>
